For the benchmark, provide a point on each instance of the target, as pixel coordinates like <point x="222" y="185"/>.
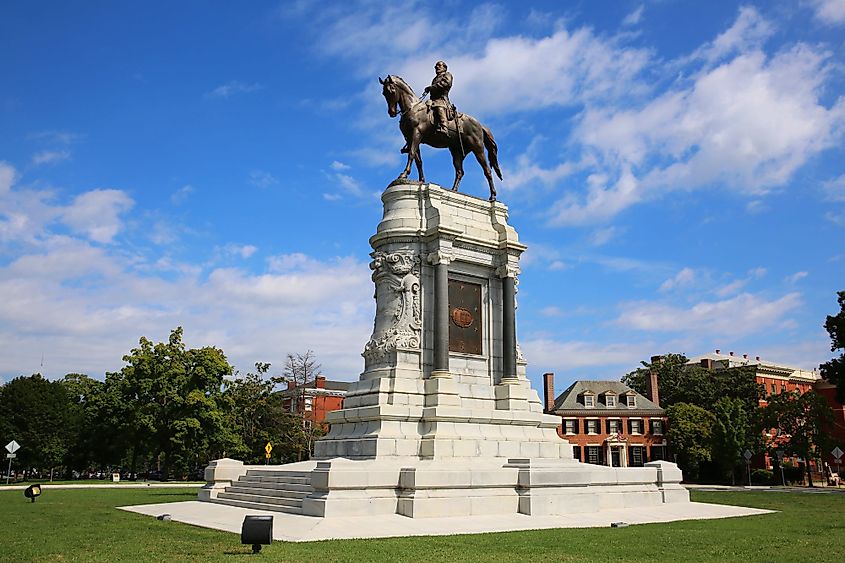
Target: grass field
<point x="83" y="525"/>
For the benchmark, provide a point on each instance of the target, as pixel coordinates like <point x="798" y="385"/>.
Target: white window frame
<point x="660" y="422"/>
<point x="610" y="400"/>
<point x="595" y="421"/>
<point x="575" y="430"/>
<point x="641" y="424"/>
<point x="592" y="401"/>
<point x="618" y="422"/>
<point x="631" y="401"/>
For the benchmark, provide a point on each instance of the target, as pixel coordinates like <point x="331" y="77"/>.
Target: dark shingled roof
<point x="571" y="399"/>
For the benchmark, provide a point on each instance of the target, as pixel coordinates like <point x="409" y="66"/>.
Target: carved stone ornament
<point x="398" y="322"/>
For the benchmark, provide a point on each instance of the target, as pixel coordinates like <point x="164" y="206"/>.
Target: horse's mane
<point x="402" y="82"/>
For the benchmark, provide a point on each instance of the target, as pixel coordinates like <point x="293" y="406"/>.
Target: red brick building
<point x="778" y="378"/>
<point x="608" y="423"/>
<point x="315" y="399"/>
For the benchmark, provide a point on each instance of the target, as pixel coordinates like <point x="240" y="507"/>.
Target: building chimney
<point x="651" y="381"/>
<point x="718" y="351"/>
<point x="758" y="358"/>
<point x="731" y="353"/>
<point x="745" y="356"/>
<point x="548" y="392"/>
<point x="320" y="382"/>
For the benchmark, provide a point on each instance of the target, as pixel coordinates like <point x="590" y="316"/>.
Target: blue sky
<point x="675" y="168"/>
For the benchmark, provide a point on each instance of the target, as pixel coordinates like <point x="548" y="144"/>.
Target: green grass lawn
<point x="83" y="525"/>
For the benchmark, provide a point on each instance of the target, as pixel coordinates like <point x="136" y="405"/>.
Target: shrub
<point x="762" y="476"/>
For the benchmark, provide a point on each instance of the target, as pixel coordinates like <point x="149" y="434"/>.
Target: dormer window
<point x="589" y="400"/>
<point x="610" y="400"/>
<point x="632" y="401"/>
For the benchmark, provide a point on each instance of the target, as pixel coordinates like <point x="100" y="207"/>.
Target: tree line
<point x="715" y="415"/>
<point x="169" y="410"/>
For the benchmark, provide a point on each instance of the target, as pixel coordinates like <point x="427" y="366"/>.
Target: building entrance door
<point x="615" y="457"/>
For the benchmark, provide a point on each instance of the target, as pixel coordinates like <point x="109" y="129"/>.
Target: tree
<point x="172" y="401"/>
<point x="301" y="370"/>
<point x="690" y="432"/>
<point x="36" y="413"/>
<point x="834" y="370"/>
<point x="730" y="434"/>
<point x="799" y="421"/>
<point x="680" y="382"/>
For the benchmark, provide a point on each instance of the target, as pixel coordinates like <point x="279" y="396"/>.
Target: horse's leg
<point x="414" y="154"/>
<point x="479" y="156"/>
<point x="458" y="163"/>
<point x="407" y="170"/>
<point x="418" y="161"/>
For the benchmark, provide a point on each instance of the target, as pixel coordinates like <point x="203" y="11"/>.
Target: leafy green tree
<point x="37" y="414"/>
<point x="172" y="402"/>
<point x="730" y="434"/>
<point x="691" y="436"/>
<point x="834" y="370"/>
<point x="799" y="421"/>
<point x="86" y="424"/>
<point x="682" y="383"/>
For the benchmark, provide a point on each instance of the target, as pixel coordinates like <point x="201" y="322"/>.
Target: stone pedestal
<point x="443" y="421"/>
<point x="420" y="396"/>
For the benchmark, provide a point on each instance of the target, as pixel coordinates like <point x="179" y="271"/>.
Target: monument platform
<point x="290" y="527"/>
<point x="443" y="421"/>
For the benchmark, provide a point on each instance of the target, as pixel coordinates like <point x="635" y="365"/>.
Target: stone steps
<point x="268" y="489"/>
<point x="258" y="505"/>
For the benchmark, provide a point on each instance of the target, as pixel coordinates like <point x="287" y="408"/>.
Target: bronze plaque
<point x="464" y="317"/>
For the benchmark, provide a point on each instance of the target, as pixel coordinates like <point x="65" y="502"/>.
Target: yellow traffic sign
<point x="268" y="448"/>
<point x="267" y="455"/>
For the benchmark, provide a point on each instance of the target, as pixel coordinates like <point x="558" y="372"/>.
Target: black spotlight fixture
<point x="32" y="492"/>
<point x="257" y="531"/>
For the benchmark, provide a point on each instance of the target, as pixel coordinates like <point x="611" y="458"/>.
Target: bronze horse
<point x="465" y="134"/>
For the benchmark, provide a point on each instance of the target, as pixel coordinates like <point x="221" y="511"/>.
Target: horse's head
<point x="391" y="95"/>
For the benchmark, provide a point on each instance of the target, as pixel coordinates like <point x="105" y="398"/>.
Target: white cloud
<point x="97" y="213"/>
<point x="748" y="32"/>
<point x="552" y="355"/>
<point x="830" y="12"/>
<point x="683" y="278"/>
<point x="8" y="176"/>
<point x="714" y="129"/>
<point x="55" y="137"/>
<point x="50" y="156"/>
<point x="232" y="88"/>
<point x="87" y="305"/>
<point x="602" y="236"/>
<point x="181" y="195"/>
<point x="741" y="315"/>
<point x="796" y="277"/>
<point x="242" y="250"/>
<point x="601" y="202"/>
<point x="339" y="166"/>
<point x="634" y="17"/>
<point x="834" y="189"/>
<point x="262" y="179"/>
<point x="731" y="287"/>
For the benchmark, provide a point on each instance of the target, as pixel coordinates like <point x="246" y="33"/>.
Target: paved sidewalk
<point x="291" y="527"/>
<point x="102" y="486"/>
<point x="767" y="488"/>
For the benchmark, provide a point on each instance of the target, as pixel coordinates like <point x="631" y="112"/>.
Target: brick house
<point x="315" y="399"/>
<point x="608" y="423"/>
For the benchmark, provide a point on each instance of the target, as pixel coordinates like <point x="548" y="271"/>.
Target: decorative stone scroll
<point x="398" y="322"/>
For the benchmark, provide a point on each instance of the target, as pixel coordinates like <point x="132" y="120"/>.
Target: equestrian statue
<point x="436" y="123"/>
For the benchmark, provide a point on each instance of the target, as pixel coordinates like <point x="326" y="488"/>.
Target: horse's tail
<point x="492" y="150"/>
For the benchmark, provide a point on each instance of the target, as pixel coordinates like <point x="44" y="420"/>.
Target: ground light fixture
<point x="32" y="492"/>
<point x="257" y="531"/>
